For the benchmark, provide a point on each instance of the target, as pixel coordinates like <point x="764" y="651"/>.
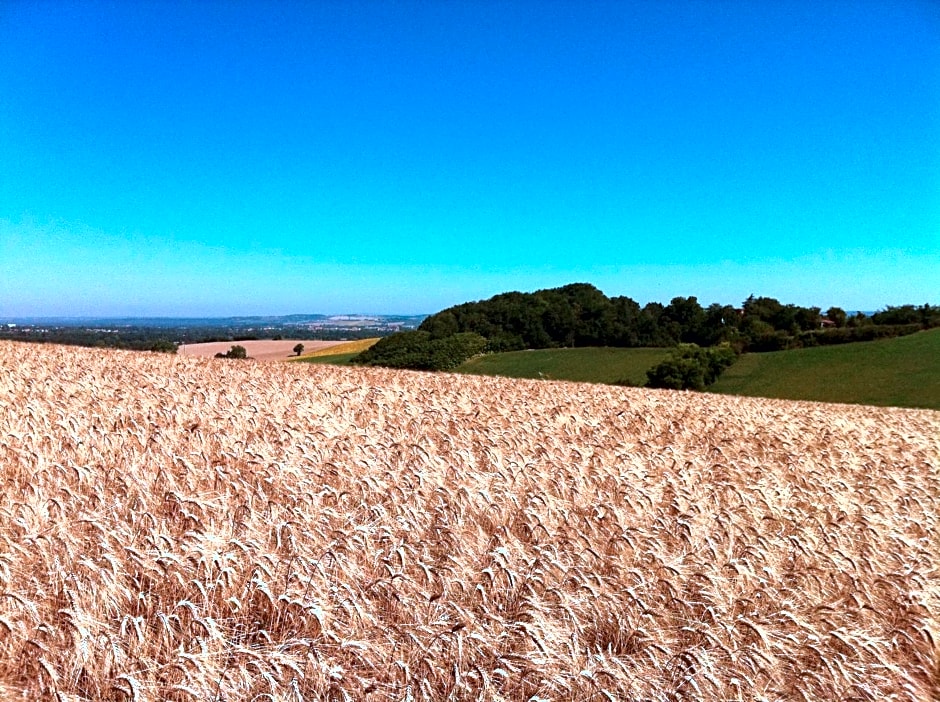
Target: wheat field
<point x="198" y="529"/>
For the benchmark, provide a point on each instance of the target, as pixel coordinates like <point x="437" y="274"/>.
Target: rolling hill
<point x="901" y="372"/>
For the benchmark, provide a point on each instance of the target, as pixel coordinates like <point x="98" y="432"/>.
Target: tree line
<point x="132" y="338"/>
<point x="581" y="315"/>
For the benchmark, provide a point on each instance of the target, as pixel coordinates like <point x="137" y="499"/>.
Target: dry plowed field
<point x="197" y="529"/>
<point x="260" y="349"/>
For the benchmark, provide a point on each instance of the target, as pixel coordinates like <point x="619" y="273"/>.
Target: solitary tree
<point x="299" y="349"/>
<point x="163" y="346"/>
<point x="837" y="315"/>
<point x="690" y="367"/>
<point x="234" y="352"/>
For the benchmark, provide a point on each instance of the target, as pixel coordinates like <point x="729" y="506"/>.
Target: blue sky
<point x="214" y="158"/>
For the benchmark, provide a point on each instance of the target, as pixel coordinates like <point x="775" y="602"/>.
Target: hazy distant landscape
<point x="887" y="357"/>
<point x="167" y="333"/>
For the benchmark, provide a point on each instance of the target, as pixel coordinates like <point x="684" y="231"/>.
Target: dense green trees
<point x="237" y="351"/>
<point x="690" y="367"/>
<point x="925" y="315"/>
<point x="164" y="346"/>
<point x="421" y="350"/>
<point x="574" y="315"/>
<point x="837" y="316"/>
<point x="581" y="315"/>
<point x="683" y="319"/>
<point x="135" y="338"/>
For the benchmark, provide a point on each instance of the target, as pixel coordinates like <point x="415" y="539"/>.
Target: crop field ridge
<point x="178" y="528"/>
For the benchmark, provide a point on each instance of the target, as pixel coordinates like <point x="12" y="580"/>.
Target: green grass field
<point x="589" y="365"/>
<point x="333" y="359"/>
<point x="902" y="372"/>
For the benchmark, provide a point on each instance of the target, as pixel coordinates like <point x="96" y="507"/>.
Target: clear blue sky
<point x="214" y="158"/>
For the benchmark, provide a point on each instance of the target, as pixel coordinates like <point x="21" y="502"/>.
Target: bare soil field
<point x="176" y="528"/>
<point x="260" y="349"/>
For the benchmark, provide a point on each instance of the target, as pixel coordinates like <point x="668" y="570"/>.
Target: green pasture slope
<point x="333" y="359"/>
<point x="586" y="365"/>
<point x="901" y="372"/>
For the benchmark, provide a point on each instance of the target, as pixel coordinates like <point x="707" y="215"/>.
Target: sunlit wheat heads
<point x="197" y="529"/>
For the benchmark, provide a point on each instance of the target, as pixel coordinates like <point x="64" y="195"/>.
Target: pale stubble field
<point x="177" y="528"/>
<point x="259" y="349"/>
